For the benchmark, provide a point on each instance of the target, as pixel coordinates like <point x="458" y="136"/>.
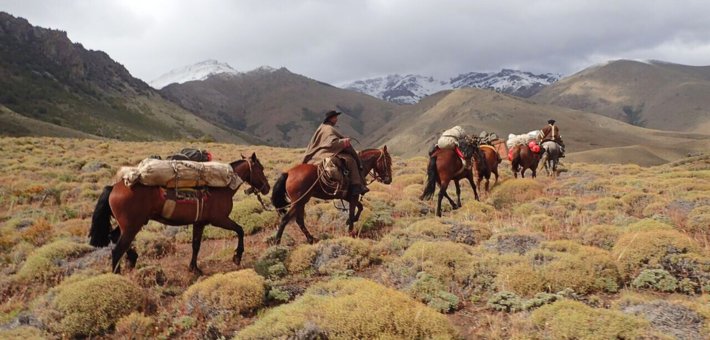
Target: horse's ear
<point x="384" y="148"/>
<point x="242" y="156"/>
<point x="253" y="157"/>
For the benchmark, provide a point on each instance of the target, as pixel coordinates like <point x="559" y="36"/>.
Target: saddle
<point x="173" y="196"/>
<point x="333" y="176"/>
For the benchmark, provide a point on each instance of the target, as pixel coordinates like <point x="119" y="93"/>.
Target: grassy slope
<point x="475" y="110"/>
<point x="674" y="97"/>
<point x="570" y="208"/>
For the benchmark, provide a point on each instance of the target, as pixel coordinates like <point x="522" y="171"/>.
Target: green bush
<point x="431" y="291"/>
<point x="635" y="252"/>
<point x="647" y="225"/>
<point x="90" y="306"/>
<point x="135" y="326"/>
<point x="656" y="279"/>
<point x="237" y="292"/>
<point x="252" y="217"/>
<point x="351" y="309"/>
<point x="341" y="254"/>
<point x="603" y="236"/>
<point x="514" y="191"/>
<point x="154" y="245"/>
<point x="23" y="332"/>
<point x="301" y="258"/>
<point x="505" y="302"/>
<point x="271" y="262"/>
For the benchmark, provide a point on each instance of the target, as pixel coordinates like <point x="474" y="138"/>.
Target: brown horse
<point x="445" y="166"/>
<point x="488" y="155"/>
<point x="523" y="159"/>
<point x="301" y="182"/>
<point x="134" y="206"/>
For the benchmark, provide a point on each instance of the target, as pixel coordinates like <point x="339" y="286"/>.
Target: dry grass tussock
<point x="604" y="251"/>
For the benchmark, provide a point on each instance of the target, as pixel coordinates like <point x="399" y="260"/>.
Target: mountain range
<point x="411" y="89"/>
<point x="51" y="86"/>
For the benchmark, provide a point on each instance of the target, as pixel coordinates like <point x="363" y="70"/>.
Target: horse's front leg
<point x="300" y="220"/>
<point x="351" y="220"/>
<point x="359" y="211"/>
<point x="227" y="223"/>
<point x="197" y="230"/>
<point x="475" y="192"/>
<point x="442" y="193"/>
<point x="458" y="193"/>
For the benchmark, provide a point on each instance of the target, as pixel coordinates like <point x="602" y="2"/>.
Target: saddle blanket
<point x="172" y="197"/>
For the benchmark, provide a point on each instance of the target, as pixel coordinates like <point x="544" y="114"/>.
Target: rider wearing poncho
<point x="327" y="141"/>
<point x="552" y="133"/>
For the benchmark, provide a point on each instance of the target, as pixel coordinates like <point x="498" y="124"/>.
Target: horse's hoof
<point x="237" y="259"/>
<point x="195" y="270"/>
<point x="312" y="240"/>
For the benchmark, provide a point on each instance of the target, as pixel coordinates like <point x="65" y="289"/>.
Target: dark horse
<point x="523" y="159"/>
<point x="301" y="182"/>
<point x="134" y="206"/>
<point x="489" y="155"/>
<point x="444" y="166"/>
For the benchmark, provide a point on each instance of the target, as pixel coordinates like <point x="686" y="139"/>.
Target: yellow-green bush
<point x="647" y="225"/>
<point x="252" y="217"/>
<point x="475" y="211"/>
<point x="445" y="261"/>
<point x="135" y="326"/>
<point x="603" y="236"/>
<point x="521" y="279"/>
<point x="153" y="244"/>
<point x="90" y="306"/>
<point x="301" y="258"/>
<point x="641" y="250"/>
<point x="23" y="332"/>
<point x="513" y="191"/>
<point x="349" y="309"/>
<point x="567" y="319"/>
<point x="237" y="292"/>
<point x="345" y="253"/>
<point x="540" y="222"/>
<point x="584" y="270"/>
<point x="609" y="203"/>
<point x="407" y="208"/>
<point x="41" y="263"/>
<point x="636" y="202"/>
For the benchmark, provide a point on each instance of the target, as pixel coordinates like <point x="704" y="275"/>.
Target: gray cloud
<point x="339" y="41"/>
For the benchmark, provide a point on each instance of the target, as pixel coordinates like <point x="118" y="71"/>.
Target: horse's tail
<point x="431" y="179"/>
<point x="278" y="197"/>
<point x="100" y="232"/>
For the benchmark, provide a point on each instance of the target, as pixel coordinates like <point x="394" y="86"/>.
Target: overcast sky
<point x="340" y="41"/>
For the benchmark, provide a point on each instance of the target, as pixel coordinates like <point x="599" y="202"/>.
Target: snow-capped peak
<point x="199" y="71"/>
<point x="412" y="88"/>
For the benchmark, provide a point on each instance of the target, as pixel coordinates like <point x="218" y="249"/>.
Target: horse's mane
<point x="236" y="163"/>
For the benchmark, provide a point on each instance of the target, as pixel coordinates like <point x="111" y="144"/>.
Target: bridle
<point x="385" y="165"/>
<point x="253" y="189"/>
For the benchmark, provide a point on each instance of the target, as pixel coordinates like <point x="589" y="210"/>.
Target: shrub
<point x="252" y="217"/>
<point x="609" y="203"/>
<point x="510" y="192"/>
<point x="540" y="300"/>
<point x="517" y="242"/>
<point x="153" y="245"/>
<point x="637" y="202"/>
<point x="679" y="319"/>
<point x="603" y="236"/>
<point x="520" y="279"/>
<point x="22" y="332"/>
<point x="409" y="208"/>
<point x="237" y="292"/>
<point x="445" y="261"/>
<point x="351" y="308"/>
<point x="431" y="291"/>
<point x="475" y="211"/>
<point x="656" y="279"/>
<point x="38" y="233"/>
<point x="635" y="252"/>
<point x="271" y="262"/>
<point x="505" y="302"/>
<point x="42" y="265"/>
<point x="647" y="225"/>
<point x="301" y="258"/>
<point x="567" y="319"/>
<point x="540" y="222"/>
<point x="699" y="223"/>
<point x="345" y="253"/>
<point x="135" y="326"/>
<point x="90" y="306"/>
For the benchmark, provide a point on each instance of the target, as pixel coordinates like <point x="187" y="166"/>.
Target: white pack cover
<point x="156" y="172"/>
<point x="515" y="140"/>
<point x="450" y="137"/>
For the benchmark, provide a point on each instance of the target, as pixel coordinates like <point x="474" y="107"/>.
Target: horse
<point x="523" y="159"/>
<point x="552" y="157"/>
<point x="485" y="164"/>
<point x="445" y="166"/>
<point x="301" y="182"/>
<point x="134" y="206"/>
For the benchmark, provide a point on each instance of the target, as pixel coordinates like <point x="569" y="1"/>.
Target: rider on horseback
<point x="552" y="133"/>
<point x="328" y="141"/>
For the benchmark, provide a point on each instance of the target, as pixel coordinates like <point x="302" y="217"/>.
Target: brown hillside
<point x="670" y="96"/>
<point x="416" y="129"/>
<point x="46" y="77"/>
<point x="279" y="108"/>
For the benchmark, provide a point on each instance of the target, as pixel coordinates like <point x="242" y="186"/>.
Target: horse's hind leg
<point x="300" y="217"/>
<point x="197" y="230"/>
<point x="227" y="223"/>
<point x="351" y="220"/>
<point x="123" y="244"/>
<point x="470" y="180"/>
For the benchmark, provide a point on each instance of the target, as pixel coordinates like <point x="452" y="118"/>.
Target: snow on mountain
<point x="199" y="71"/>
<point x="412" y="88"/>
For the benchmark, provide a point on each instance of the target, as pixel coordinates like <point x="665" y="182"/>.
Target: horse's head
<point x="250" y="170"/>
<point x="383" y="167"/>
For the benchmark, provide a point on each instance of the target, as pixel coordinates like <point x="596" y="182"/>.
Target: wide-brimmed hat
<point x="551" y="121"/>
<point x="331" y="113"/>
